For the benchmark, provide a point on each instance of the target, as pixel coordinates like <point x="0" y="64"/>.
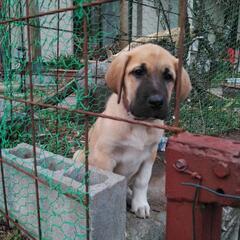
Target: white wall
<point x="150" y="16"/>
<point x="48" y="36"/>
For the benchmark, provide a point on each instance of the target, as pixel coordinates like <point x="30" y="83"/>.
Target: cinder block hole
<point x="22" y="152"/>
<point x="220" y="190"/>
<point x="78" y="175"/>
<point x="53" y="164"/>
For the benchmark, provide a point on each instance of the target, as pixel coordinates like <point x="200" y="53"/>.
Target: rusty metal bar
<point x="2" y="169"/>
<point x="18" y="225"/>
<point x="3" y="186"/>
<point x="37" y="179"/>
<point x="142" y="123"/>
<point x="57" y="78"/>
<point x="86" y="92"/>
<point x="91" y="4"/>
<point x="10" y="57"/>
<point x="182" y="10"/>
<point x="32" y="119"/>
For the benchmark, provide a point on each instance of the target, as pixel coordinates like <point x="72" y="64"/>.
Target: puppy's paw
<point x="129" y="192"/>
<point x="141" y="208"/>
<point x="129" y="198"/>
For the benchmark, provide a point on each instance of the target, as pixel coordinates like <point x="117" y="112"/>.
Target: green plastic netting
<point x="56" y="42"/>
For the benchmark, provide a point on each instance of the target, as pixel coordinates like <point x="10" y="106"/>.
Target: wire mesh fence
<point x="53" y="57"/>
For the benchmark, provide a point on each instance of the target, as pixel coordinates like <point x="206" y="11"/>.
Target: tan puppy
<point x="142" y="81"/>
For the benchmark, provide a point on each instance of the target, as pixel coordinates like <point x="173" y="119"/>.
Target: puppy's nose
<point x="155" y="101"/>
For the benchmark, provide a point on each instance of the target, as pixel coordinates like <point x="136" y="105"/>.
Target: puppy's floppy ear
<point x="186" y="85"/>
<point x="116" y="73"/>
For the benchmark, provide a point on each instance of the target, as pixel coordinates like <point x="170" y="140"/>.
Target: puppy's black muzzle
<point x="152" y="107"/>
<point x="155" y="101"/>
<point x="151" y="99"/>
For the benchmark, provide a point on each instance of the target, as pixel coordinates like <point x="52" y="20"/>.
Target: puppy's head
<point x="147" y="76"/>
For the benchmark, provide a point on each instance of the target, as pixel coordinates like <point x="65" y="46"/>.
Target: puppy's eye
<point x="167" y="75"/>
<point x="139" y="72"/>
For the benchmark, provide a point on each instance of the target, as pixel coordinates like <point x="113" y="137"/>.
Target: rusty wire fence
<point x="53" y="57"/>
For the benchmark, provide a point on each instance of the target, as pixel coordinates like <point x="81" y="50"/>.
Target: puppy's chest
<point x="136" y="148"/>
<point x="140" y="138"/>
<point x="128" y="160"/>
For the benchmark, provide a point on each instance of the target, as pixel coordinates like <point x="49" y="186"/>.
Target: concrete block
<point x="63" y="217"/>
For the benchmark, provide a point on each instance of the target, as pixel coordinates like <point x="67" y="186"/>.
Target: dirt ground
<point x="7" y="233"/>
<point x="235" y="135"/>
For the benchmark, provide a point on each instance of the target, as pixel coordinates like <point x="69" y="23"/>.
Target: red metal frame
<point x="195" y="166"/>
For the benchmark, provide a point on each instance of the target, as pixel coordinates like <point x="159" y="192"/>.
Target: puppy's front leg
<point x="140" y="204"/>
